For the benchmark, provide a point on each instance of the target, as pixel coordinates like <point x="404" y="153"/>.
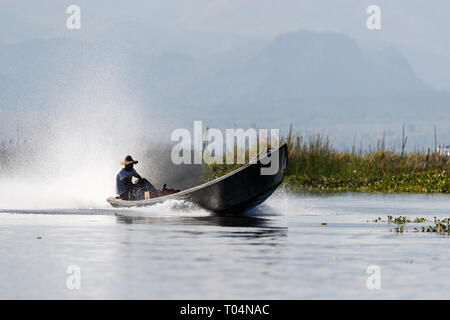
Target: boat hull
<point x="235" y="192"/>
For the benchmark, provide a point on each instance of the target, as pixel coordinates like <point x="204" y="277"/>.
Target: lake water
<point x="177" y="251"/>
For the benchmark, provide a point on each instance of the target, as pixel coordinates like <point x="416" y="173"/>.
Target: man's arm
<point x="128" y="182"/>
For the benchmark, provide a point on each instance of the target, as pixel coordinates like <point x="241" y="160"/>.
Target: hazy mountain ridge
<point x="301" y="77"/>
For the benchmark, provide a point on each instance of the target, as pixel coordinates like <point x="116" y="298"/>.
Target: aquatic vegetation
<point x="440" y="225"/>
<point x="428" y="182"/>
<point x="399" y="220"/>
<point x="400" y="229"/>
<point x="315" y="166"/>
<point x="215" y="170"/>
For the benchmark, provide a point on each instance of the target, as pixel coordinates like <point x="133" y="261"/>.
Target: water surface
<point x="177" y="251"/>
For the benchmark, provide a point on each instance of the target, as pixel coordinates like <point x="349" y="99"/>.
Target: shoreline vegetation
<point x="315" y="166"/>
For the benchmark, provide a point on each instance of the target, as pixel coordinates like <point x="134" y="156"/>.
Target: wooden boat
<point x="236" y="192"/>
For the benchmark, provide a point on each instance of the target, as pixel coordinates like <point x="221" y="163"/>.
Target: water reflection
<point x="257" y="227"/>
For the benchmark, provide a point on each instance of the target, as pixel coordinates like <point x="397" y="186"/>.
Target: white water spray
<point x="73" y="154"/>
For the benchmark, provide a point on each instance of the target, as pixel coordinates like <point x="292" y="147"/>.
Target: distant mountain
<point x="432" y="67"/>
<point x="313" y="80"/>
<point x="319" y="67"/>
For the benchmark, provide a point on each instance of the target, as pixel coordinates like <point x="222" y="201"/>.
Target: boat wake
<point x="281" y="203"/>
<point x="169" y="208"/>
<point x="288" y="204"/>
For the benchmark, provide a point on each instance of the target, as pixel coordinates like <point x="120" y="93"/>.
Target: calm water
<point x="177" y="251"/>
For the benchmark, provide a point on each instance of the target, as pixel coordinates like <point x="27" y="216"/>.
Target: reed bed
<point x="316" y="166"/>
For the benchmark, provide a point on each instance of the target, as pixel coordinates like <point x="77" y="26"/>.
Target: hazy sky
<point x="421" y="24"/>
<point x="419" y="29"/>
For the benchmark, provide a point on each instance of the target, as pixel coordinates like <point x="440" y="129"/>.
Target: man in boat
<point x="125" y="188"/>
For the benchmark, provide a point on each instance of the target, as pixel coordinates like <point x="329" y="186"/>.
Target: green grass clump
<point x="215" y="170"/>
<point x="315" y="166"/>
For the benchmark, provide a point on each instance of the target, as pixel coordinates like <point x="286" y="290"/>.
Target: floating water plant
<point x="441" y="226"/>
<point x="399" y="220"/>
